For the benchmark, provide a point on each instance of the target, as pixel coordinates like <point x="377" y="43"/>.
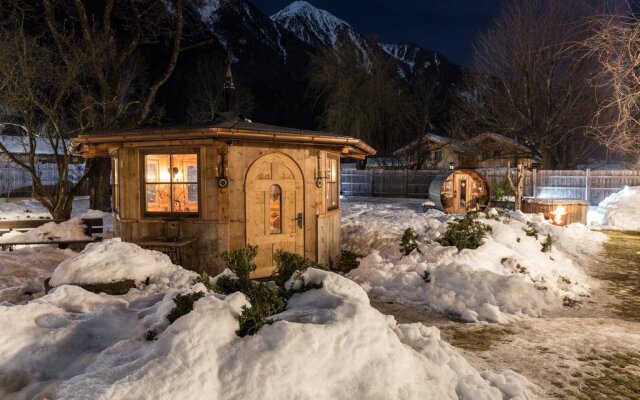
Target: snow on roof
<point x="456" y="144"/>
<point x="20" y="145"/>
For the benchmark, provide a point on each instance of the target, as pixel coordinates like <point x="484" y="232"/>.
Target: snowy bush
<point x="348" y="262"/>
<point x="409" y="241"/>
<point x="546" y="245"/>
<point x="184" y="305"/>
<point x="502" y="189"/>
<point x="264" y="300"/>
<point x="465" y="233"/>
<point x="290" y="265"/>
<point x="240" y="262"/>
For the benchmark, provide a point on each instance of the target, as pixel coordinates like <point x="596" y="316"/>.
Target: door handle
<point x="300" y="220"/>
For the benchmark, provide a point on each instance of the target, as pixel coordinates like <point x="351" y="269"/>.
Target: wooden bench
<point x="94" y="226"/>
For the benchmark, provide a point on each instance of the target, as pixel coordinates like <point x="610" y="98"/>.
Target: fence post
<point x="534" y="179"/>
<point x="586" y="184"/>
<point x="369" y="175"/>
<point x="406" y="183"/>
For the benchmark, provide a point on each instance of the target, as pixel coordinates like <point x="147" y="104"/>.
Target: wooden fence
<point x="387" y="183"/>
<point x="16" y="182"/>
<point x="590" y="185"/>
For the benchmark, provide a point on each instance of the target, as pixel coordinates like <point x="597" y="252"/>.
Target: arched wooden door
<point x="274" y="209"/>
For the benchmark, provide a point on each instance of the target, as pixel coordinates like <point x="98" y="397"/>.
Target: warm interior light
<point x="164" y="176"/>
<point x="557" y="214"/>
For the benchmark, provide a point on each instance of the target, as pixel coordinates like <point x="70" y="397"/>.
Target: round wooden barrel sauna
<point x="459" y="191"/>
<point x="560" y="211"/>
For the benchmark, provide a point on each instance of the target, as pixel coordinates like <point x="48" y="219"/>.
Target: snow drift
<point x="73" y="229"/>
<point x="329" y="344"/>
<point x="507" y="276"/>
<point x="620" y="210"/>
<point x="113" y="260"/>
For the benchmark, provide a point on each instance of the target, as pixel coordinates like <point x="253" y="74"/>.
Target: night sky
<point x="448" y="26"/>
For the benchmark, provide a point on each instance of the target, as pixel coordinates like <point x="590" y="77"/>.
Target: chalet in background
<point x="487" y="150"/>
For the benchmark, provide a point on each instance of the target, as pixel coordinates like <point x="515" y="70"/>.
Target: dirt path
<point x="588" y="352"/>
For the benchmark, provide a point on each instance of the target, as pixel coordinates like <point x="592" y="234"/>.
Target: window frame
<point x="280" y="211"/>
<point x="142" y="169"/>
<point x="336" y="158"/>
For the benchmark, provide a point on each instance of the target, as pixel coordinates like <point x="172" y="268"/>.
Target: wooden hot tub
<point x="560" y="211"/>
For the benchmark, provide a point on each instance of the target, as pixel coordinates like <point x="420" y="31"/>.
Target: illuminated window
<point x="115" y="185"/>
<point x="171" y="183"/>
<point x="275" y="210"/>
<point x="333" y="193"/>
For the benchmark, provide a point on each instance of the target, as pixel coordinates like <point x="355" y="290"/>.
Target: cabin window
<point x="275" y="210"/>
<point x="437" y="155"/>
<point x="115" y="185"/>
<point x="171" y="183"/>
<point x="333" y="194"/>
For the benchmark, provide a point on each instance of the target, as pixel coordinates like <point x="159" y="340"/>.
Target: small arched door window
<point x="275" y="210"/>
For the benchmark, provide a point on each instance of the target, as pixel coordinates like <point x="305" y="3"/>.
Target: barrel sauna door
<point x="274" y="209"/>
<point x="461" y="183"/>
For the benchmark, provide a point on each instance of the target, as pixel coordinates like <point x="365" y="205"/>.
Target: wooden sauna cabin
<point x="459" y="191"/>
<point x="195" y="191"/>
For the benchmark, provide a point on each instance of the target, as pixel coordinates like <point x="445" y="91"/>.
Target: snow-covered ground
<point x="22" y="271"/>
<point x="329" y="344"/>
<point x="72" y="229"/>
<point x="508" y="276"/>
<point x="22" y="209"/>
<point x="620" y="210"/>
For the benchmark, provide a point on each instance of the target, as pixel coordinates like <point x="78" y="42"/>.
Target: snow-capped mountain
<point x="321" y="29"/>
<point x="272" y="54"/>
<point x="312" y="25"/>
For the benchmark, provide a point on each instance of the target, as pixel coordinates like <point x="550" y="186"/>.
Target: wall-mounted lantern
<point x="452" y="166"/>
<point x="320" y="174"/>
<point x="221" y="169"/>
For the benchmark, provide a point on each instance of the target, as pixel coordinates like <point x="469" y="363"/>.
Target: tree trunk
<point x="547" y="158"/>
<point x="62" y="212"/>
<point x="99" y="184"/>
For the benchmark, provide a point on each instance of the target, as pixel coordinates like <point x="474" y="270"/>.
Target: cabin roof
<point x="483" y="137"/>
<point x="223" y="127"/>
<point x="471" y="146"/>
<point x="456" y="144"/>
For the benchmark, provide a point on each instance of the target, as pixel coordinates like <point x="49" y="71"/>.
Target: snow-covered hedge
<point x="329" y="344"/>
<point x="507" y="276"/>
<point x="113" y="260"/>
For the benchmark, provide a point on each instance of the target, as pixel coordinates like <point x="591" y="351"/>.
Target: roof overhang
<point x="98" y="145"/>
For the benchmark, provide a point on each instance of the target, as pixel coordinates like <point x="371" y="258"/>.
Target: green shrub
<point x="251" y="320"/>
<point x="151" y="335"/>
<point x="240" y="262"/>
<point x="501" y="189"/>
<point x="206" y="280"/>
<point x="265" y="302"/>
<point x="227" y="284"/>
<point x="409" y="241"/>
<point x="348" y="261"/>
<point x="547" y="244"/>
<point x="184" y="305"/>
<point x="465" y="233"/>
<point x="531" y="230"/>
<point x="290" y="265"/>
